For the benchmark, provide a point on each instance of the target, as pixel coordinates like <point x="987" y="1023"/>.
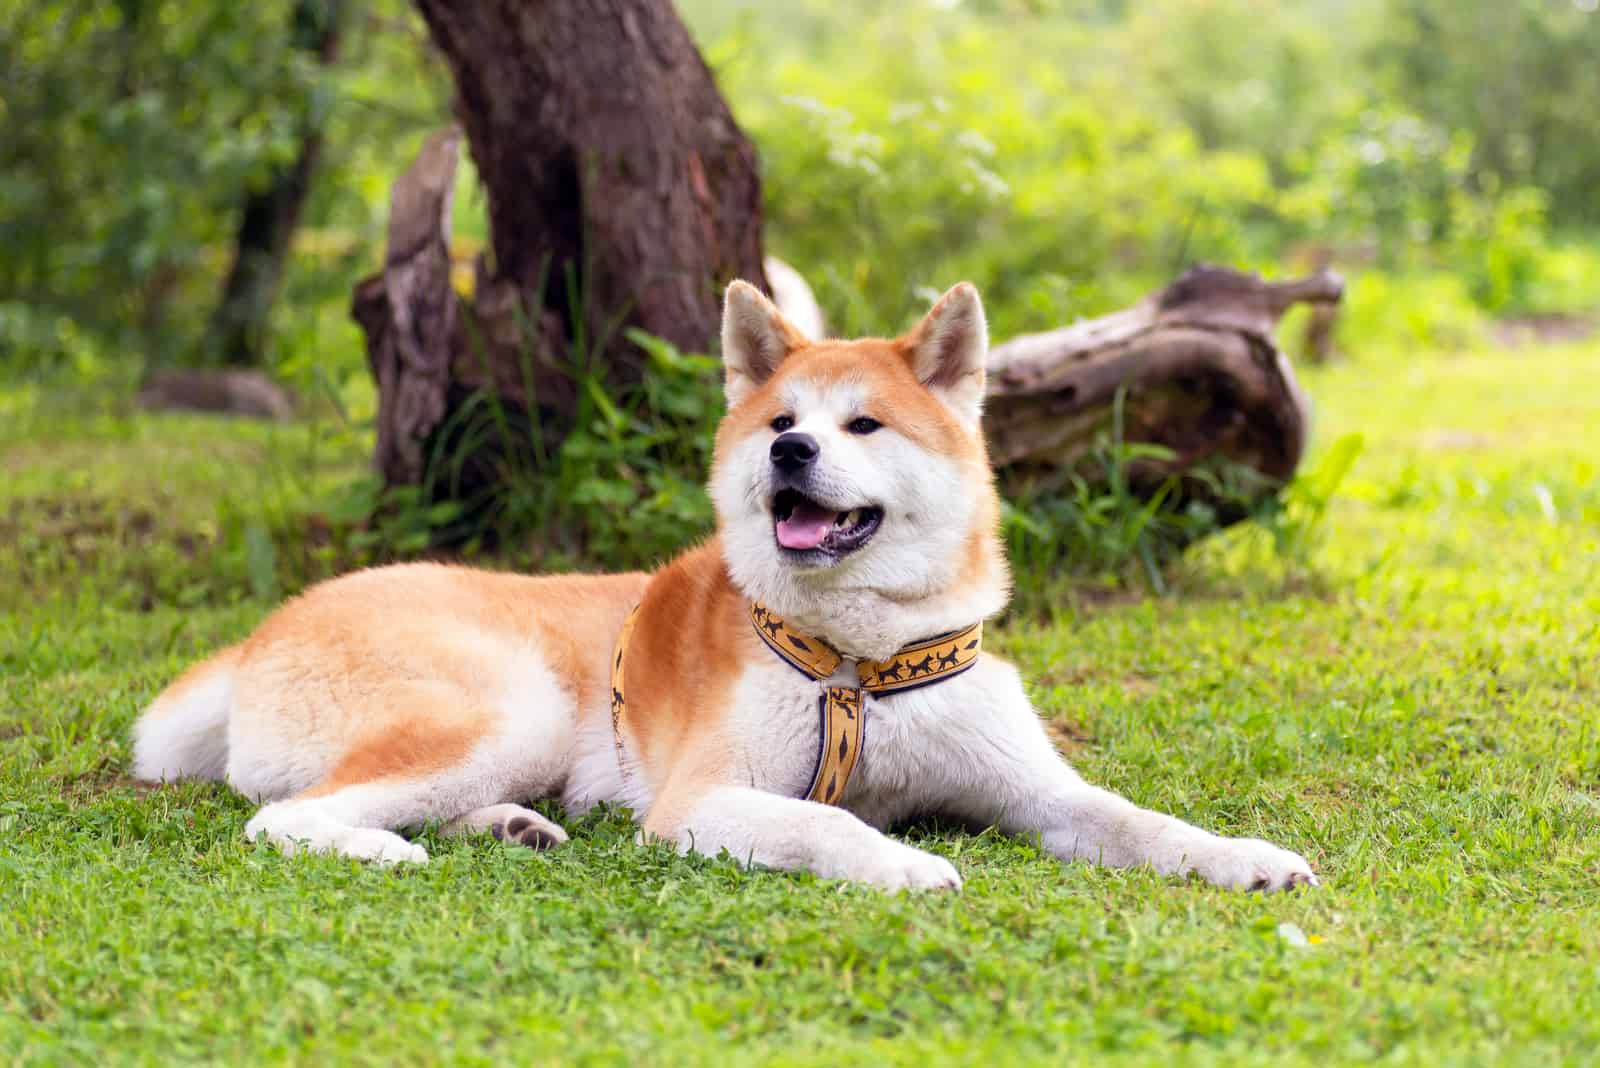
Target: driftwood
<point x="1197" y="369"/>
<point x="1195" y="363"/>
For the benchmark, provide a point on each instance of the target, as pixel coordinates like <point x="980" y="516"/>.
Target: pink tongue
<point x="806" y="526"/>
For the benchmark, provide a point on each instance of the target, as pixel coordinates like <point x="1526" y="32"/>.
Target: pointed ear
<point x="755" y="339"/>
<point x="948" y="348"/>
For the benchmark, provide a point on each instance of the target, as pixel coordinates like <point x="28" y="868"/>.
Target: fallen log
<point x="224" y="391"/>
<point x="1196" y="369"/>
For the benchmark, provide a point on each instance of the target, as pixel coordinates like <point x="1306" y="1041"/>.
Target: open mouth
<point x="804" y="526"/>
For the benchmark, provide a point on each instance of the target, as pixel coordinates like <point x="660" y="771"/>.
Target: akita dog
<point x="807" y="677"/>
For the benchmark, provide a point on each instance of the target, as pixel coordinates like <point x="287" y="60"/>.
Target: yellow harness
<point x="841" y="708"/>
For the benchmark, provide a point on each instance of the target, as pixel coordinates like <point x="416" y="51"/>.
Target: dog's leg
<point x="783" y="832"/>
<point x="398" y="780"/>
<point x="1082" y="822"/>
<point x="358" y="821"/>
<point x="423" y="752"/>
<point x="1026" y="787"/>
<point x="510" y="823"/>
<point x="347" y="822"/>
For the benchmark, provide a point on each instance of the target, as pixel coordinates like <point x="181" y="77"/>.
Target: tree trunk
<point x="238" y="334"/>
<point x="620" y="193"/>
<point x="1198" y="373"/>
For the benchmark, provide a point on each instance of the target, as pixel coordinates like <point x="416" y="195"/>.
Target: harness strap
<point x="844" y="727"/>
<point x="841" y="709"/>
<point x="619" y="704"/>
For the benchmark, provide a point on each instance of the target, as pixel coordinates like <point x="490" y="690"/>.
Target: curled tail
<point x="184" y="732"/>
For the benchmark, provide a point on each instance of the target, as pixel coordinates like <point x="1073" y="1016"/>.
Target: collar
<point x="921" y="663"/>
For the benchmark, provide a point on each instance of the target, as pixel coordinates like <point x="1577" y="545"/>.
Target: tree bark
<point x="620" y="193"/>
<point x="267" y="222"/>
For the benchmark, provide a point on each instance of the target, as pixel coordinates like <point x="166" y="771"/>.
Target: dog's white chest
<point x="915" y="745"/>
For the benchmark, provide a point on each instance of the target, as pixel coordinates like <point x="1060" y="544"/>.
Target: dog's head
<point x="857" y="466"/>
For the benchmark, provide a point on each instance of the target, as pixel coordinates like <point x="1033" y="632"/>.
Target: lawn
<point x="1415" y="706"/>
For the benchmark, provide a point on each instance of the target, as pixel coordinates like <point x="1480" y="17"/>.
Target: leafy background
<point x="1064" y="154"/>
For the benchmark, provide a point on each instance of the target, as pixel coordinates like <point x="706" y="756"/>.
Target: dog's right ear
<point x="755" y="339"/>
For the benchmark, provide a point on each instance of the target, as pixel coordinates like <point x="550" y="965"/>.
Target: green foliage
<point x="133" y="128"/>
<point x="982" y="160"/>
<point x="624" y="488"/>
<point x="1398" y="313"/>
<point x="1519" y="74"/>
<point x="1068" y="157"/>
<point x="1095" y="523"/>
<point x="1295" y="518"/>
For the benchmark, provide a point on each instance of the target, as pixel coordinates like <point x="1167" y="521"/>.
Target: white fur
<point x="186" y="736"/>
<point x="755" y="826"/>
<point x="971" y="747"/>
<point x="528" y="755"/>
<point x="794" y="298"/>
<point x="597" y="775"/>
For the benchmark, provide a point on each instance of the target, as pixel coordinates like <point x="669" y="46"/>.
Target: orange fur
<point x="687" y="682"/>
<point x="409" y="697"/>
<point x="425" y="733"/>
<point x="899" y="400"/>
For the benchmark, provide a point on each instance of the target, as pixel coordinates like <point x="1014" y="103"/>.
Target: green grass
<point x="1416" y="712"/>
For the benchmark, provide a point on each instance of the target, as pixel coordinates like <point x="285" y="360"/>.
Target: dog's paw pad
<point x="527" y="832"/>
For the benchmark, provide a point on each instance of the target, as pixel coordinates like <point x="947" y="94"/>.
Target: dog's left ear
<point x="948" y="348"/>
<point x="755" y="338"/>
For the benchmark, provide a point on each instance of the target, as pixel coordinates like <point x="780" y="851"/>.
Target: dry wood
<point x="226" y="391"/>
<point x="409" y="312"/>
<point x="1196" y="364"/>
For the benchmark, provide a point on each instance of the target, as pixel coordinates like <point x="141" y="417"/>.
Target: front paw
<point x="895" y="867"/>
<point x="1251" y="864"/>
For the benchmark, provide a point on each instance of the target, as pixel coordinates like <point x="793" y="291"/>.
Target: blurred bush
<point x="1067" y="155"/>
<point x="130" y="131"/>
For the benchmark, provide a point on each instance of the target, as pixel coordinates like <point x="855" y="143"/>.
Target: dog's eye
<point x="863" y="425"/>
<point x="782" y="423"/>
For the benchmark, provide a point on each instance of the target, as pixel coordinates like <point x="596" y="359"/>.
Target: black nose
<point x="792" y="451"/>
